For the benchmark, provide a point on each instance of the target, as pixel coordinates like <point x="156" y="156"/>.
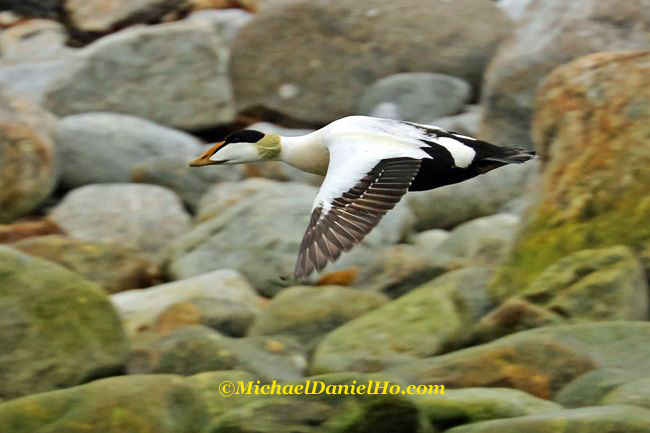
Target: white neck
<point x="307" y="153"/>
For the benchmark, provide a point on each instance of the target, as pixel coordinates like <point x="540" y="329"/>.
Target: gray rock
<point x="481" y="196"/>
<point x="260" y="237"/>
<point x="356" y="43"/>
<point x="225" y="195"/>
<point x="266" y="229"/>
<point x="173" y="74"/>
<point x="100" y="16"/>
<point x="28" y="169"/>
<point x="519" y="205"/>
<point x="189" y="183"/>
<point x="397" y="269"/>
<point x="33" y="41"/>
<point x="484" y="241"/>
<point x="57" y="329"/>
<point x="418" y="96"/>
<point x="601" y="419"/>
<point x="467" y="123"/>
<point x="384" y="337"/>
<point x="429" y="241"/>
<point x="141" y="310"/>
<point x="308" y="313"/>
<point x="226" y="22"/>
<point x="31" y="80"/>
<point x="144" y="217"/>
<point x="514" y="8"/>
<point x="553" y="32"/>
<point x="105" y="147"/>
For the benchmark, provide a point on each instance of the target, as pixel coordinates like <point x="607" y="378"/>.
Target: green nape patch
<point x="545" y="241"/>
<point x="269" y="146"/>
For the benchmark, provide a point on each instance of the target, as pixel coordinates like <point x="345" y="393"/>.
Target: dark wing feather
<point x="354" y="214"/>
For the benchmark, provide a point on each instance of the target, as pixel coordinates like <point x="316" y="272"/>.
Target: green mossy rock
<point x="602" y="284"/>
<point x="57" y="329"/>
<point x="539" y="361"/>
<point x="513" y="315"/>
<point x="308" y="313"/>
<point x="413" y="326"/>
<point x="461" y="406"/>
<point x="635" y="392"/>
<point x="327" y="413"/>
<point x="114" y="267"/>
<point x="590" y="388"/>
<point x="137" y="403"/>
<point x="592" y="128"/>
<point x="600" y="419"/>
<point x="196" y="349"/>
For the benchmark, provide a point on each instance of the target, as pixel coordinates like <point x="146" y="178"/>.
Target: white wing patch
<point x="463" y="155"/>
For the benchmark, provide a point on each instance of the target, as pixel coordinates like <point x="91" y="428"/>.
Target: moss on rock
<point x="592" y="129"/>
<point x="57" y="329"/>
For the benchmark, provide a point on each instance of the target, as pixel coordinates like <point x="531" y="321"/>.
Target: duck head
<point x="240" y="147"/>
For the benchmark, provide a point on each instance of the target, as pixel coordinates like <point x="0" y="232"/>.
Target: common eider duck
<point x="369" y="164"/>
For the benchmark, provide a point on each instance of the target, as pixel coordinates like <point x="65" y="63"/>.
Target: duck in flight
<point x="368" y="164"/>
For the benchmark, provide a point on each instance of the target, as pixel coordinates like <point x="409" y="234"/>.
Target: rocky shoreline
<point x="133" y="287"/>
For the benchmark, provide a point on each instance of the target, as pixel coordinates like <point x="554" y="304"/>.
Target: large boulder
<point x="31" y="79"/>
<point x="259" y="237"/>
<point x="27" y="159"/>
<point x="330" y="42"/>
<point x="552" y="32"/>
<point x="105" y="147"/>
<point x="601" y="419"/>
<point x="151" y="309"/>
<point x="57" y="329"/>
<point x="308" y="313"/>
<point x="326" y="412"/>
<point x="484" y="241"/>
<point x="592" y="127"/>
<point x="539" y="361"/>
<point x="602" y="284"/>
<point x="173" y="74"/>
<point x="135" y="403"/>
<point x="196" y="349"/>
<point x="143" y="217"/>
<point x="414" y="326"/>
<point x="189" y="183"/>
<point x="33" y="41"/>
<point x="266" y="227"/>
<point x="112" y="266"/>
<point x="468" y="405"/>
<point x="417" y="96"/>
<point x="218" y="198"/>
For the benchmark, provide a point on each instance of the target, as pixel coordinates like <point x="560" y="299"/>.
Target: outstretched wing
<point x="357" y="192"/>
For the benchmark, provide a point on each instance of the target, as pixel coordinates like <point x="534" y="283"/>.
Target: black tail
<point x="509" y="155"/>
